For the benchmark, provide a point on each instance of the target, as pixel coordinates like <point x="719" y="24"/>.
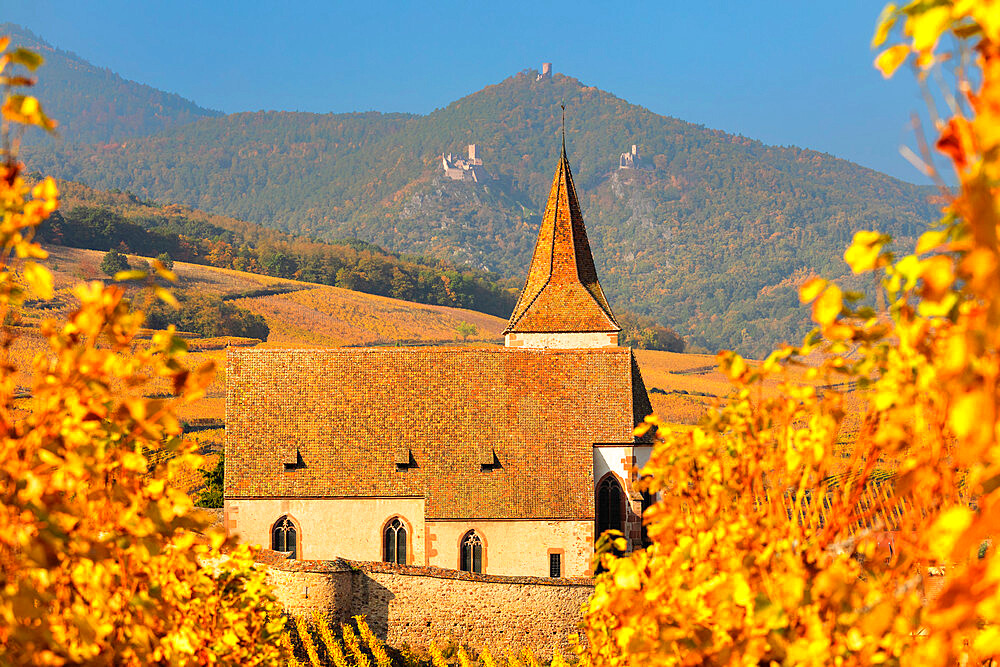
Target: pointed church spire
<point x="562" y="294"/>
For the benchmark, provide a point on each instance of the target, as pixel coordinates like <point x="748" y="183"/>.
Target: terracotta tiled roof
<point x="562" y="292"/>
<point x="353" y="414"/>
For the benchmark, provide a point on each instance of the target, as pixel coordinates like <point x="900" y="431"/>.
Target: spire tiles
<point x="562" y="303"/>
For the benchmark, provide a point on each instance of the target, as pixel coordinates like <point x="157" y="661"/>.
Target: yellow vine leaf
<point x="886" y="21"/>
<point x="39" y="280"/>
<point x="965" y="412"/>
<point x="828" y="306"/>
<point x="926" y="27"/>
<point x="811" y="289"/>
<point x="863" y="252"/>
<point x="931" y="240"/>
<point x="889" y="60"/>
<point x="626" y="575"/>
<point x="938" y="275"/>
<point x="946" y="531"/>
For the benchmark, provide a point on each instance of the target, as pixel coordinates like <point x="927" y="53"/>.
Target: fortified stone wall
<point x="414" y="605"/>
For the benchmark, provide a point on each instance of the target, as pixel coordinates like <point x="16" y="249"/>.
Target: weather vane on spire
<point x="563" y="107"/>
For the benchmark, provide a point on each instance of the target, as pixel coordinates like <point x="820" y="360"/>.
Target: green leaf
<point x="27" y="58"/>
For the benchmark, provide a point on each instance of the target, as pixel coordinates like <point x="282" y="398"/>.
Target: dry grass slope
<point x="312" y="316"/>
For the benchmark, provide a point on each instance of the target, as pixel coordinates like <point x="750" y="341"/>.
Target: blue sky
<point x="796" y="73"/>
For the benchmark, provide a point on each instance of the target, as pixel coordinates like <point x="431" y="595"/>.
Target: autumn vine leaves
<point x="804" y="530"/>
<point x="100" y="561"/>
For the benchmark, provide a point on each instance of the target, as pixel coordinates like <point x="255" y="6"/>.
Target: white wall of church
<point x="608" y="458"/>
<point x="331" y="527"/>
<point x="561" y="341"/>
<point x="519" y="548"/>
<point x="619" y="460"/>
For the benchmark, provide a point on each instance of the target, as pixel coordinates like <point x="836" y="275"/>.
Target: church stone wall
<point x="516" y="547"/>
<point x="561" y="341"/>
<point x="330" y="528"/>
<point x="414" y="605"/>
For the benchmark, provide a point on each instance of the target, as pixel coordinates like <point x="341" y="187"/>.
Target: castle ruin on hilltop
<point x="459" y="169"/>
<point x="629" y="160"/>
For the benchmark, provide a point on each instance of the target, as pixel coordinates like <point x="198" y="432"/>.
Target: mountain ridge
<point x="706" y="238"/>
<point x="95" y="104"/>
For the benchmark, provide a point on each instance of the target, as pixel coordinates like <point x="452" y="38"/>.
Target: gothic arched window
<point x="610" y="505"/>
<point x="394" y="542"/>
<point x="472" y="553"/>
<point x="284" y="537"/>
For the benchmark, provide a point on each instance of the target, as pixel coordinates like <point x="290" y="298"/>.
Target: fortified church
<point x="495" y="460"/>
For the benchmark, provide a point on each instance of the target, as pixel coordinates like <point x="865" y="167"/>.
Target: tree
<point x="166" y="261"/>
<point x="99" y="554"/>
<point x="208" y="316"/>
<point x="801" y="528"/>
<point x="466" y="329"/>
<point x="278" y="263"/>
<point x="215" y="479"/>
<point x="114" y="262"/>
<point x="646" y="334"/>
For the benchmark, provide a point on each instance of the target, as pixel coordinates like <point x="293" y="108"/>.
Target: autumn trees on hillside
<point x="354" y="265"/>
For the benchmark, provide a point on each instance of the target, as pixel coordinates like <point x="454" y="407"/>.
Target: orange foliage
<point x="99" y="554"/>
<point x="768" y="545"/>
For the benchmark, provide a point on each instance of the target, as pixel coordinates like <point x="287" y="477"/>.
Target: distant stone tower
<point x="629" y="160"/>
<point x="562" y="304"/>
<point x="546" y="72"/>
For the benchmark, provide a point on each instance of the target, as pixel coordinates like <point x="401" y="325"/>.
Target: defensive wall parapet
<point x="414" y="604"/>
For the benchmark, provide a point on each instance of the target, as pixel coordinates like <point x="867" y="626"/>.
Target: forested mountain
<point x="93" y="104"/>
<point x="710" y="237"/>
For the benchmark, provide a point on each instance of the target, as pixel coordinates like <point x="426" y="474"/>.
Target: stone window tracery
<point x="284" y="537"/>
<point x="394" y="542"/>
<point x="610" y="502"/>
<point x="472" y="553"/>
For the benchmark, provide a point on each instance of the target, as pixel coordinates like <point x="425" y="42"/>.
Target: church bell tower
<point x="562" y="304"/>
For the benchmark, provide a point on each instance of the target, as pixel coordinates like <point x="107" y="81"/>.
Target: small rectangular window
<point x="555" y="565"/>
